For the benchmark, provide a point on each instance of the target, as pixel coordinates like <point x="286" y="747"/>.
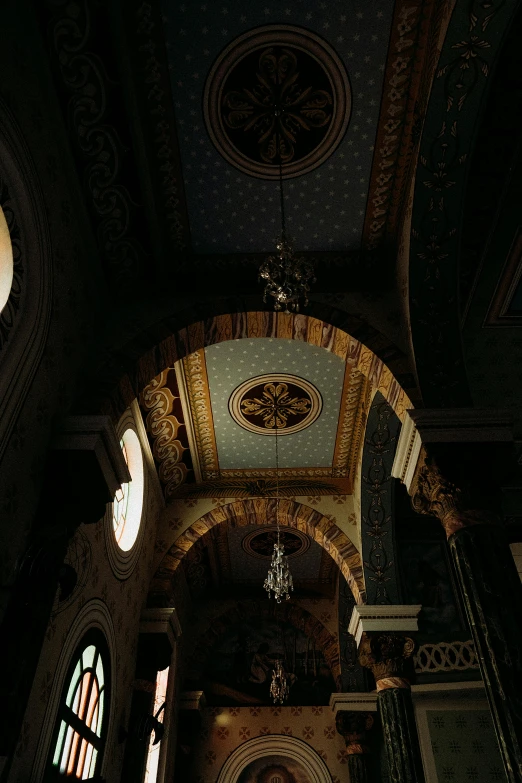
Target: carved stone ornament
<point x="434" y="494"/>
<point x="353" y="727"/>
<point x="389" y="656"/>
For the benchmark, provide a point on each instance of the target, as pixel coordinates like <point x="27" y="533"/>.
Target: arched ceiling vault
<point x="261" y="511"/>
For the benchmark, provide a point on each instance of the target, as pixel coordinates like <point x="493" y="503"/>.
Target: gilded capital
<point x="354" y="727"/>
<point x="389" y="656"/>
<point x="456" y="506"/>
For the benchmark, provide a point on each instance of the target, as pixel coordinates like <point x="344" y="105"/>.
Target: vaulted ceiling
<point x="338" y="52"/>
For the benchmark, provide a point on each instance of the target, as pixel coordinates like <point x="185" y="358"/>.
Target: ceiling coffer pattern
<point x="261" y="511"/>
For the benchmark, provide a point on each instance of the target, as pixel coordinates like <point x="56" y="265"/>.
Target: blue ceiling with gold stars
<point x="231" y="363"/>
<point x="231" y="211"/>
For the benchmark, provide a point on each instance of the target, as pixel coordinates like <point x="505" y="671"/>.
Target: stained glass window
<point x="160" y="697"/>
<point x="128" y="502"/>
<point x="82" y="716"/>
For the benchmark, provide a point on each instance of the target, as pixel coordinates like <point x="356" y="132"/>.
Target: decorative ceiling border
<point x="411" y="61"/>
<point x="198" y="403"/>
<point x="473" y="41"/>
<point x="354" y="405"/>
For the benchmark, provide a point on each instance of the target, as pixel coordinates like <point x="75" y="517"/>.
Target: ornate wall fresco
<point x="226" y="728"/>
<point x="377" y="504"/>
<point x="274" y="767"/>
<point x="239" y="670"/>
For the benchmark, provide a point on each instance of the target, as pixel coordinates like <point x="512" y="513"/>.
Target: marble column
<point x="457" y="462"/>
<point x="354" y="728"/>
<point x="386" y="649"/>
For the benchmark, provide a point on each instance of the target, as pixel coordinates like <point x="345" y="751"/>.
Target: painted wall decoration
<point x="377" y="504"/>
<point x="464" y="746"/>
<point x="224" y="729"/>
<point x="274" y="769"/>
<point x="240" y="668"/>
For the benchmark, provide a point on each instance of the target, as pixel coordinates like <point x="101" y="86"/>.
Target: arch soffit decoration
<point x="169" y="346"/>
<point x="289" y="612"/>
<point x="274" y="744"/>
<point x="260" y="511"/>
<point x="471" y="47"/>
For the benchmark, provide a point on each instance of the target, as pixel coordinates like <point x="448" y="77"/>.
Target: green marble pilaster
<point x="492" y="594"/>
<point x="358" y="768"/>
<point x="400" y="735"/>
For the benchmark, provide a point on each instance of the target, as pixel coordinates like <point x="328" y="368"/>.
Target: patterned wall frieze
<point x="260" y="511"/>
<point x="198" y="394"/>
<point x="95" y="117"/>
<point x="10" y="311"/>
<point x="437" y="657"/>
<point x="414" y="32"/>
<point x="352" y="418"/>
<point x="470" y="49"/>
<point x="377" y="504"/>
<point x="163" y="427"/>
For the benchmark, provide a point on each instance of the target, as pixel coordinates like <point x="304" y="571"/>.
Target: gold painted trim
<point x="195" y="371"/>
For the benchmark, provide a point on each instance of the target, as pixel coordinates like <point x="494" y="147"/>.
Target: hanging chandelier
<point x="279" y="689"/>
<point x="287" y="277"/>
<point x="279" y="579"/>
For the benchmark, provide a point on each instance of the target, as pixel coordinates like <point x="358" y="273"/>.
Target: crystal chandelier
<point x="279" y="689"/>
<point x="287" y="278"/>
<point x="279" y="579"/>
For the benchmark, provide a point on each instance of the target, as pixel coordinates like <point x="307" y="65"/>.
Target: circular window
<point x="128" y="503"/>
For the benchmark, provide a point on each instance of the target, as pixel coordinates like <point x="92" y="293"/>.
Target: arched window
<point x="82" y="715"/>
<point x="6" y="261"/>
<point x="128" y="503"/>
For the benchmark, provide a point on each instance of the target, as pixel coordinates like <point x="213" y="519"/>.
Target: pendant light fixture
<point x="279" y="688"/>
<point x="287" y="278"/>
<point x="279" y="579"/>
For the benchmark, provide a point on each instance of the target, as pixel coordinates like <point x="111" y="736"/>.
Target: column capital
<point x="389" y="657"/>
<point x="353" y="702"/>
<point x="354" y="727"/>
<point x="377" y="618"/>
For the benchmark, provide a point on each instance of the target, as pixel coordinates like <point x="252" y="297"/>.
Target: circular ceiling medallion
<point x="277" y="83"/>
<point x="260" y="543"/>
<point x="275" y="402"/>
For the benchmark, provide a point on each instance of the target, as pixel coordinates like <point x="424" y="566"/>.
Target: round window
<point x="128" y="503"/>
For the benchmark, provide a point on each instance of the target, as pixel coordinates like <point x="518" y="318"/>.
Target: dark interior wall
<point x="77" y="291"/>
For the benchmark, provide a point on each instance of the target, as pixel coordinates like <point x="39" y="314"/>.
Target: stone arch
<point x="369" y="352"/>
<point x="261" y="511"/>
<point x="285" y="612"/>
